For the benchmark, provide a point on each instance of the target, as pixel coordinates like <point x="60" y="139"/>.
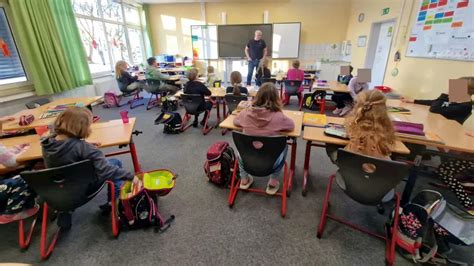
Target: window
<point x="110" y="31"/>
<point x="11" y="67"/>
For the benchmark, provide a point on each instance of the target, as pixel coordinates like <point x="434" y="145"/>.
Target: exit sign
<point x="385" y="11"/>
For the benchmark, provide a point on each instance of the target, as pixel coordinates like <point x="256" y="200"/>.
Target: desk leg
<point x="307" y="155"/>
<point x="133" y="153"/>
<point x="218" y="111"/>
<point x="292" y="165"/>
<point x="224" y="114"/>
<point x="410" y="184"/>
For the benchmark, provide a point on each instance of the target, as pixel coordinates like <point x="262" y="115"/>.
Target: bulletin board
<point x="443" y="29"/>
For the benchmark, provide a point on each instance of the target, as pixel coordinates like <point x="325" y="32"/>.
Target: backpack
<point x="111" y="99"/>
<point x="219" y="164"/>
<point x="15" y="196"/>
<point x="137" y="209"/>
<point x="420" y="237"/>
<point x="309" y="100"/>
<point x="171" y="121"/>
<point x="169" y="104"/>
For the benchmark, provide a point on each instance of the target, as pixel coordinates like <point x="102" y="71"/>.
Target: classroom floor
<point x="206" y="231"/>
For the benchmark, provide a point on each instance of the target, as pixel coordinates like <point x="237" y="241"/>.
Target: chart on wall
<point x="443" y="29"/>
<point x="204" y="42"/>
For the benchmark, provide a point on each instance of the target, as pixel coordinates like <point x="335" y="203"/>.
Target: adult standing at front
<point x="255" y="50"/>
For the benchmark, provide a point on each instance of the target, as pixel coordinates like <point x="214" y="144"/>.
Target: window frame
<point x="28" y="82"/>
<point x="126" y="25"/>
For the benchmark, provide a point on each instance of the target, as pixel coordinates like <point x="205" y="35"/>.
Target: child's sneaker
<point x="337" y="111"/>
<point x="346" y="110"/>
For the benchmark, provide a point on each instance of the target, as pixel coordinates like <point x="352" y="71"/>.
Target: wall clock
<point x="361" y="17"/>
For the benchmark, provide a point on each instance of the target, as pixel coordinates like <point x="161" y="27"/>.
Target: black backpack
<point x="309" y="100"/>
<point x="171" y="121"/>
<point x="169" y="104"/>
<point x="219" y="164"/>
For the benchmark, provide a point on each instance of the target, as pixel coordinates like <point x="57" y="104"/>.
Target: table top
<point x="306" y="77"/>
<point x="332" y="86"/>
<point x="296" y="116"/>
<point x="221" y="92"/>
<point x="173" y="69"/>
<point x="108" y="134"/>
<point x="316" y="134"/>
<point x="451" y="133"/>
<point x="37" y="112"/>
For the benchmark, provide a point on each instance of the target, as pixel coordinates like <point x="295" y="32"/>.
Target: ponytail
<point x="236" y="89"/>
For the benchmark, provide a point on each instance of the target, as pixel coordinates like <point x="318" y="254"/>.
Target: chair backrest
<point x="259" y="153"/>
<point x="233" y="101"/>
<point x="122" y="86"/>
<point x="367" y="179"/>
<point x="272" y="80"/>
<point x="192" y="102"/>
<point x="292" y="86"/>
<point x="37" y="103"/>
<point x="64" y="188"/>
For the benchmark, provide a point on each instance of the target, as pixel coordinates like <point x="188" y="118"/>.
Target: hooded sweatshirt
<point x="259" y="121"/>
<point x="61" y="152"/>
<point x="454" y="111"/>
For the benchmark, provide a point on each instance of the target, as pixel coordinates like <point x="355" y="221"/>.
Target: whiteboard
<point x="204" y="42"/>
<point x="443" y="29"/>
<point x="286" y="40"/>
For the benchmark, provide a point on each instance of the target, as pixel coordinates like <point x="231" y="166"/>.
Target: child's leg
<point x="117" y="182"/>
<point x="447" y="171"/>
<point x="278" y="166"/>
<point x="286" y="100"/>
<point x="242" y="173"/>
<point x="337" y="98"/>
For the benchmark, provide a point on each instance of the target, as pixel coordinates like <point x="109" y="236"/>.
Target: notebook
<point x="314" y="120"/>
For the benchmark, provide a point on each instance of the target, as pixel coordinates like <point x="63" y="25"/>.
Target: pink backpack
<point x="111" y="99"/>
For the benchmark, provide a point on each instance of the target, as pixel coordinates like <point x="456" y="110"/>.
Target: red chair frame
<point x="235" y="187"/>
<point x="23" y="242"/>
<point x="187" y="117"/>
<point x="47" y="249"/>
<point x="390" y="242"/>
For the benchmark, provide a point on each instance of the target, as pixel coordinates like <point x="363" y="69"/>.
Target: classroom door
<point x="380" y="51"/>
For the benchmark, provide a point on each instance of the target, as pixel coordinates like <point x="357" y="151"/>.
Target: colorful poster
<point x="204" y="42"/>
<point x="443" y="29"/>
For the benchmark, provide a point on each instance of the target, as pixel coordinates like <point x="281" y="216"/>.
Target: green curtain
<point x="51" y="43"/>
<point x="149" y="40"/>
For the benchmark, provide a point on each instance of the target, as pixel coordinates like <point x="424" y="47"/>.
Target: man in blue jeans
<point x="255" y="50"/>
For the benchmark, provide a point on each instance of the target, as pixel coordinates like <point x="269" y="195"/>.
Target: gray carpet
<point x="206" y="231"/>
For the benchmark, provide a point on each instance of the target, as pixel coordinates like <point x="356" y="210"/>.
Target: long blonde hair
<point x="263" y="64"/>
<point x="267" y="97"/>
<point x="369" y="126"/>
<point x="120" y="67"/>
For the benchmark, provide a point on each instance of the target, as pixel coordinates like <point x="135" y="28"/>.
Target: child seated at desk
<point x="262" y="72"/>
<point x="211" y="77"/>
<point x="125" y="81"/>
<point x="264" y="118"/>
<point x="344" y="101"/>
<point x="67" y="145"/>
<point x="236" y="82"/>
<point x="295" y="73"/>
<point x="345" y="79"/>
<point x="193" y="86"/>
<point x="458" y="110"/>
<point x="157" y="80"/>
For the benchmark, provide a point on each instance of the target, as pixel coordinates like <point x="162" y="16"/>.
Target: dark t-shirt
<point x="243" y="90"/>
<point x="256" y="48"/>
<point x="196" y="87"/>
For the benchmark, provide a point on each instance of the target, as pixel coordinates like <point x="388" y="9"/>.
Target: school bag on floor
<point x="310" y="100"/>
<point x="219" y="164"/>
<point x="171" y="122"/>
<point x="15" y="196"/>
<point x="169" y="104"/>
<point x="421" y="237"/>
<point x="137" y="209"/>
<point x="111" y="99"/>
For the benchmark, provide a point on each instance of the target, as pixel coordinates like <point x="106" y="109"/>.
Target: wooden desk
<point x="452" y="133"/>
<point x="316" y="134"/>
<point x="174" y="69"/>
<point x="297" y="118"/>
<point x="332" y="86"/>
<point x="108" y="134"/>
<point x="37" y="112"/>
